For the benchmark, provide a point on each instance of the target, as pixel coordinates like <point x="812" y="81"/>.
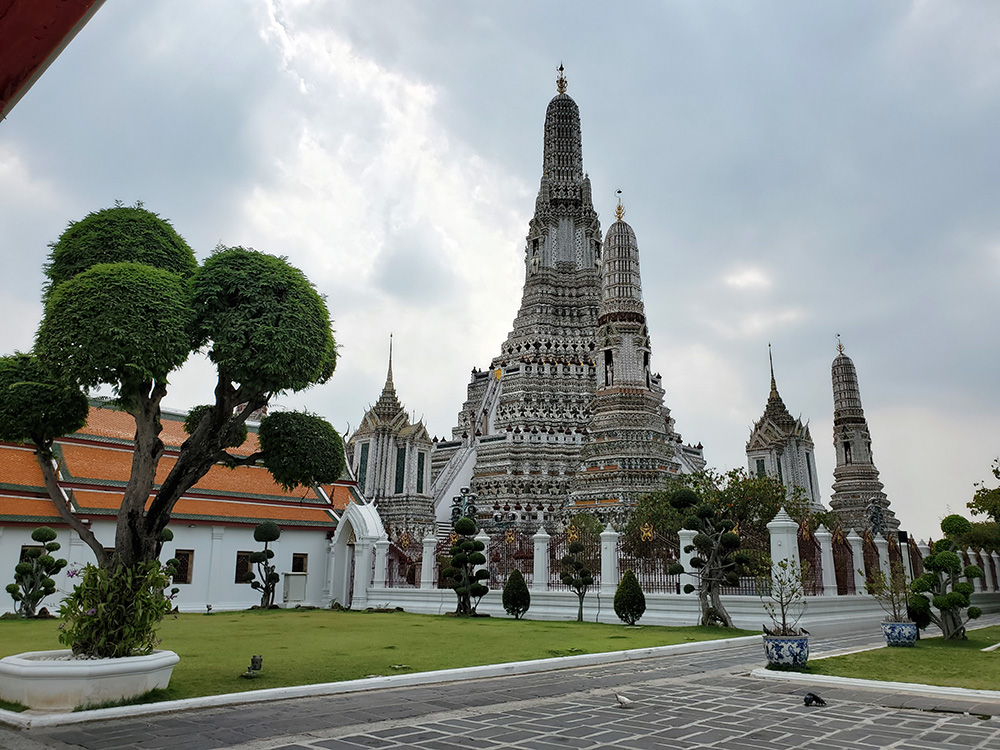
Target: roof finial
<point x="388" y="377"/>
<point x="774" y="385"/>
<point x="620" y="210"/>
<point x="561" y="81"/>
<point x="840" y="345"/>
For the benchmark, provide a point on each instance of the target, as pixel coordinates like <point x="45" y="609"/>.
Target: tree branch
<point x="43" y="453"/>
<point x="231" y="461"/>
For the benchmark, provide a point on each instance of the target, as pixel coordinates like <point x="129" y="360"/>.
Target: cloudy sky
<point x="792" y="171"/>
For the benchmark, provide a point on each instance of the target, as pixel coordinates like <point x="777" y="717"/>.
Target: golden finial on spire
<point x="840" y="345"/>
<point x="620" y="209"/>
<point x="561" y="81"/>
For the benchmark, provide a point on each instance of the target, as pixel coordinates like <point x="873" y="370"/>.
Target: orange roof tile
<point x="27" y="507"/>
<point x="19" y="466"/>
<point x="108" y="422"/>
<point x="237" y="510"/>
<point x="339" y="494"/>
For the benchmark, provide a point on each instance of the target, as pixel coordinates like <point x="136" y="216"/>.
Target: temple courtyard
<point x="707" y="699"/>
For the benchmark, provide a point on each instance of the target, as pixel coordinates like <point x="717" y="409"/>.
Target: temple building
<point x="390" y="456"/>
<point x="856" y="486"/>
<point x="521" y="432"/>
<point x="780" y="446"/>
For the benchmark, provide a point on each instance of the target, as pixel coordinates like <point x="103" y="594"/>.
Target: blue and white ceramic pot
<point x="899" y="633"/>
<point x="786" y="650"/>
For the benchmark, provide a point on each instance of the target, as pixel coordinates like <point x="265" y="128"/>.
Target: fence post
<point x="428" y="563"/>
<point x="925" y="549"/>
<point x="483" y="537"/>
<point x="989" y="582"/>
<point x="381" y="560"/>
<point x="609" y="560"/>
<point x="996" y="570"/>
<point x="825" y="539"/>
<point x="976" y="582"/>
<point x="784" y="538"/>
<point x="882" y="545"/>
<point x="686" y="538"/>
<point x="540" y="564"/>
<point x="858" y="556"/>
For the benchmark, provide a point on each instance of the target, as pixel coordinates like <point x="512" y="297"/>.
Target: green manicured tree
<point x="986" y="501"/>
<point x="942" y="587"/>
<point x="33" y="576"/>
<point x="125" y="305"/>
<point x="576" y="574"/>
<point x="516" y="597"/>
<point x="266" y="532"/>
<point x="466" y="554"/>
<point x="630" y="602"/>
<point x="718" y="561"/>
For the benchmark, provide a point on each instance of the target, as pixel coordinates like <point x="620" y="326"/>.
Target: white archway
<point x="352" y="555"/>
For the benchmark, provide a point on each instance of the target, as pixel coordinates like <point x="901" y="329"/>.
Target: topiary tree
<point x="942" y="587"/>
<point x="718" y="561"/>
<point x="266" y="532"/>
<point x="125" y="305"/>
<point x="630" y="602"/>
<point x="516" y="597"/>
<point x="576" y="574"/>
<point x="33" y="575"/>
<point x="466" y="555"/>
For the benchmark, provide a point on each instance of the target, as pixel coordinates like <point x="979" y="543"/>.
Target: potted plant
<point x="786" y="645"/>
<point x="891" y="593"/>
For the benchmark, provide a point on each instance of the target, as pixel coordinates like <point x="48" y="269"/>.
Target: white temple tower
<point x="780" y="446"/>
<point x="629" y="449"/>
<point x="390" y="456"/>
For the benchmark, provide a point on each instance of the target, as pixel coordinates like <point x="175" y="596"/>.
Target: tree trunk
<point x="579" y="611"/>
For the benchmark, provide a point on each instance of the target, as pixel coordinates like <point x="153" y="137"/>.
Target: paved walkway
<point x="690" y="701"/>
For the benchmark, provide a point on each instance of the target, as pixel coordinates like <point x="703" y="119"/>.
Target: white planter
<point x="39" y="679"/>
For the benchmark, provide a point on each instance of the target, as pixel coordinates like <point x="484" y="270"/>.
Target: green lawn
<point x="932" y="661"/>
<point x="304" y="647"/>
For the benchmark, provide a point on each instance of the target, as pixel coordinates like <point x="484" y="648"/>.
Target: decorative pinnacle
<point x="388" y="377"/>
<point x="840" y="345"/>
<point x="620" y="210"/>
<point x="561" y="80"/>
<point x="774" y="385"/>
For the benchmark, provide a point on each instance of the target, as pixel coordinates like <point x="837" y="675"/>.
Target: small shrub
<point x="576" y="575"/>
<point x="33" y="577"/>
<point x="266" y="532"/>
<point x="114" y="613"/>
<point x="516" y="597"/>
<point x="467" y="554"/>
<point x="630" y="602"/>
<point x="942" y="587"/>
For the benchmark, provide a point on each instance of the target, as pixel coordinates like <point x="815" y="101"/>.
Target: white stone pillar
<point x="483" y="537"/>
<point x="882" y="545"/>
<point x="858" y="555"/>
<point x="825" y="539"/>
<point x="329" y="592"/>
<point x="363" y="552"/>
<point x="216" y="576"/>
<point x="989" y="581"/>
<point x="381" y="560"/>
<point x="904" y="550"/>
<point x="610" y="574"/>
<point x="686" y="537"/>
<point x="925" y="549"/>
<point x="540" y="567"/>
<point x="976" y="582"/>
<point x="784" y="538"/>
<point x="428" y="562"/>
<point x="996" y="567"/>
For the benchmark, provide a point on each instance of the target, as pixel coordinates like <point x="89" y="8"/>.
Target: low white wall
<point x="823" y="615"/>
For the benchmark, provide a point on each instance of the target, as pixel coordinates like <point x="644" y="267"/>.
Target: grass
<point x="933" y="661"/>
<point x="306" y="647"/>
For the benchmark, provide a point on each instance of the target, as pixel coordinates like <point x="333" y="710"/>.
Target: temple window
<point x="400" y="469"/>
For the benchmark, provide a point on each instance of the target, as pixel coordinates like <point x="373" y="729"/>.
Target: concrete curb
<point x="28" y="719"/>
<point x="935" y="691"/>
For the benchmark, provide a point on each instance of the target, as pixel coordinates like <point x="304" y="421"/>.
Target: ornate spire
<point x="776" y="410"/>
<point x="840" y="345"/>
<point x="388" y="403"/>
<point x="561" y="81"/>
<point x="770" y="359"/>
